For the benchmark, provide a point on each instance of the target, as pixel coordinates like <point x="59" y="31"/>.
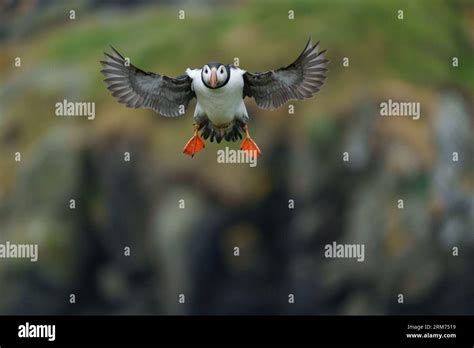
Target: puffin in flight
<point x="220" y="90"/>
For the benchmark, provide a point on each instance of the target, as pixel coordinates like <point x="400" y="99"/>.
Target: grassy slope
<point x="62" y="60"/>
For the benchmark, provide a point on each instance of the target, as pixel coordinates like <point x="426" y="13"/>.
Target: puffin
<point x="220" y="90"/>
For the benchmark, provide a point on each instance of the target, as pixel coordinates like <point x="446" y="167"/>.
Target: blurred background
<point x="191" y="251"/>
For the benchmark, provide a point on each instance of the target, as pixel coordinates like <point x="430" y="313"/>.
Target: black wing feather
<point x="136" y="88"/>
<point x="301" y="79"/>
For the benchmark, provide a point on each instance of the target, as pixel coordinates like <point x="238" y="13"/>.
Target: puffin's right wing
<point x="136" y="88"/>
<point x="301" y="79"/>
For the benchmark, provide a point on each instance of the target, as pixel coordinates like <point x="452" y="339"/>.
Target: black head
<point x="215" y="75"/>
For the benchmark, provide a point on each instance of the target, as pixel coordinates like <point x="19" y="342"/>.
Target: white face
<point x="214" y="77"/>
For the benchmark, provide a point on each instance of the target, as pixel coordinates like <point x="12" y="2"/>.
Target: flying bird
<point x="220" y="90"/>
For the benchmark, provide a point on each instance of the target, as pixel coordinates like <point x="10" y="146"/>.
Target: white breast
<point x="223" y="104"/>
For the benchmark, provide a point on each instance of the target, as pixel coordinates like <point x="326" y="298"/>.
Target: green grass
<point x="417" y="50"/>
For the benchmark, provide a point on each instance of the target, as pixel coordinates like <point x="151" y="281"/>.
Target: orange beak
<point x="213" y="78"/>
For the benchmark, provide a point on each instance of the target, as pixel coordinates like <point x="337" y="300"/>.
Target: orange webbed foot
<point x="249" y="146"/>
<point x="195" y="144"/>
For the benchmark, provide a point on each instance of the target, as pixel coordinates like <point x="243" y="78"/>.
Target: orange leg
<point x="195" y="144"/>
<point x="249" y="145"/>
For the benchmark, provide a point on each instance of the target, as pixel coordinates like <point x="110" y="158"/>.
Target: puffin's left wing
<point x="136" y="88"/>
<point x="301" y="79"/>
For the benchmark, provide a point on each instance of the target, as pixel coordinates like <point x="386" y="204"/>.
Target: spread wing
<point x="301" y="79"/>
<point x="139" y="89"/>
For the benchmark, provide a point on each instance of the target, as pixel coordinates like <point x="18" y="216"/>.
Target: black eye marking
<point x="206" y="71"/>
